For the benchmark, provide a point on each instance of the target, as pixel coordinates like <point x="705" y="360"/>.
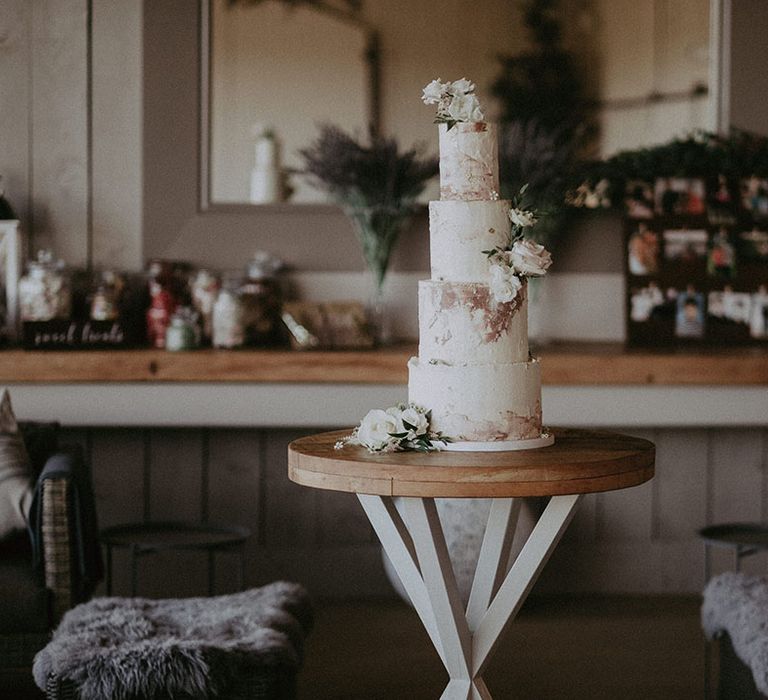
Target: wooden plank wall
<point x="641" y="540"/>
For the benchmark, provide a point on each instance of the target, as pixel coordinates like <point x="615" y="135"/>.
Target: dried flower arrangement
<point x="376" y="183"/>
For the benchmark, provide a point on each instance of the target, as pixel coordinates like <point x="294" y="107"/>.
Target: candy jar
<point x="205" y="287"/>
<point x="104" y="301"/>
<point x="183" y="331"/>
<point x="161" y="307"/>
<point x="44" y="292"/>
<point x="227" y="317"/>
<point x="261" y="297"/>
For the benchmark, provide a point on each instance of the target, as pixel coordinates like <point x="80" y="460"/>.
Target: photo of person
<point x="758" y="316"/>
<point x="679" y="196"/>
<point x="639" y="200"/>
<point x="643" y="251"/>
<point x="729" y="305"/>
<point x="685" y="245"/>
<point x="643" y="302"/>
<point x="721" y="202"/>
<point x="754" y="244"/>
<point x="754" y="196"/>
<point x="721" y="260"/>
<point x="689" y="319"/>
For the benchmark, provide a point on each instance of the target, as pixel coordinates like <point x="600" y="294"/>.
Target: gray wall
<point x="748" y="106"/>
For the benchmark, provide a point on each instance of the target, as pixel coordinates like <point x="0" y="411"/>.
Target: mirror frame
<point x="372" y="58"/>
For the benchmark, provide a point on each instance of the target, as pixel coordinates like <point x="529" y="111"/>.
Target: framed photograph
<point x="721" y="255"/>
<point x="754" y="197"/>
<point x="722" y="202"/>
<point x="10" y="269"/>
<point x="643" y="251"/>
<point x="758" y="314"/>
<point x="689" y="319"/>
<point x="754" y="244"/>
<point x="639" y="199"/>
<point x="678" y="196"/>
<point x="645" y="301"/>
<point x="685" y="245"/>
<point x="729" y="305"/>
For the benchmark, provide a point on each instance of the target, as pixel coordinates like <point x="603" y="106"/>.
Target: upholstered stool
<point x="244" y="645"/>
<point x="735" y="612"/>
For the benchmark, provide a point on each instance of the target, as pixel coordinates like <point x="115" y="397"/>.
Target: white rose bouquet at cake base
<point x="396" y="429"/>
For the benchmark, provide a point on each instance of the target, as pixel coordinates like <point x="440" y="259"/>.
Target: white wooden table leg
<point x="493" y="562"/>
<point x="437" y="572"/>
<point x="521" y="577"/>
<point x="480" y="690"/>
<point x="396" y="540"/>
<point x="418" y="552"/>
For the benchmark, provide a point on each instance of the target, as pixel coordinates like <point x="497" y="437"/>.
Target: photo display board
<point x="697" y="262"/>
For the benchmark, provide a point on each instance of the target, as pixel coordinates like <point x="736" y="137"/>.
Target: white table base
<point x="415" y="544"/>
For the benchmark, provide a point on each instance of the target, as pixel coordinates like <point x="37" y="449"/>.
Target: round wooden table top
<point x="580" y="461"/>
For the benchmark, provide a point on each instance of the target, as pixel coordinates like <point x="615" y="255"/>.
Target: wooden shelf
<point x="572" y="364"/>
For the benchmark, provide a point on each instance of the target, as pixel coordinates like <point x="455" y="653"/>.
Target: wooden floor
<point x="648" y="648"/>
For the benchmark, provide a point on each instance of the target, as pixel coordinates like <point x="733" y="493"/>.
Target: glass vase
<point x="377" y="229"/>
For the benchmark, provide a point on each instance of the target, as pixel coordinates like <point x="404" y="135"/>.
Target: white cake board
<point x="545" y="440"/>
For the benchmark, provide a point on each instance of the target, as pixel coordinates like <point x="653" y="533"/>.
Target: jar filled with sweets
<point x="105" y="298"/>
<point x="205" y="288"/>
<point x="227" y="317"/>
<point x="262" y="300"/>
<point x="183" y="332"/>
<point x="44" y="292"/>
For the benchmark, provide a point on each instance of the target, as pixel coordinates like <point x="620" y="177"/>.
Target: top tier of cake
<point x="469" y="161"/>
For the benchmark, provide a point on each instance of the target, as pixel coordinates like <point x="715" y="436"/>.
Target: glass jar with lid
<point x="183" y="332"/>
<point x="262" y="300"/>
<point x="105" y="297"/>
<point x="44" y="292"/>
<point x="205" y="287"/>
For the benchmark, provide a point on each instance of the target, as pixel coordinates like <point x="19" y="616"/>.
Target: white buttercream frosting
<point x="473" y="371"/>
<point x="459" y="232"/>
<point x="460" y="323"/>
<point x="469" y="161"/>
<point x="479" y="402"/>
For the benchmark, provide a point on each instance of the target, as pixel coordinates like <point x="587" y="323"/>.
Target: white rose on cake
<point x="456" y="101"/>
<point x="529" y="258"/>
<point x="505" y="284"/>
<point x="462" y="87"/>
<point x="375" y="428"/>
<point x="522" y="218"/>
<point x="465" y="108"/>
<point x="433" y="92"/>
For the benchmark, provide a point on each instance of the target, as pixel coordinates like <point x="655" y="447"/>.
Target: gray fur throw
<point x="188" y="647"/>
<point x="738" y="604"/>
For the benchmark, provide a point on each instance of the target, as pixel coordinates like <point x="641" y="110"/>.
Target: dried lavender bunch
<point x="360" y="175"/>
<point x="376" y="185"/>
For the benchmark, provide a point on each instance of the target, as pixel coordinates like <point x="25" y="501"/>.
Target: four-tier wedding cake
<point x="474" y="372"/>
<point x="474" y="385"/>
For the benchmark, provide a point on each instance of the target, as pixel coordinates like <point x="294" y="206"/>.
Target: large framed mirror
<point x="271" y="72"/>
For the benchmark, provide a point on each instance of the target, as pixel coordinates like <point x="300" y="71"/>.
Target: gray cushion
<point x="16" y="474"/>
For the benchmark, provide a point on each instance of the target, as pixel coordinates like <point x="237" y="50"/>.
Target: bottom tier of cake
<point x="480" y="403"/>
